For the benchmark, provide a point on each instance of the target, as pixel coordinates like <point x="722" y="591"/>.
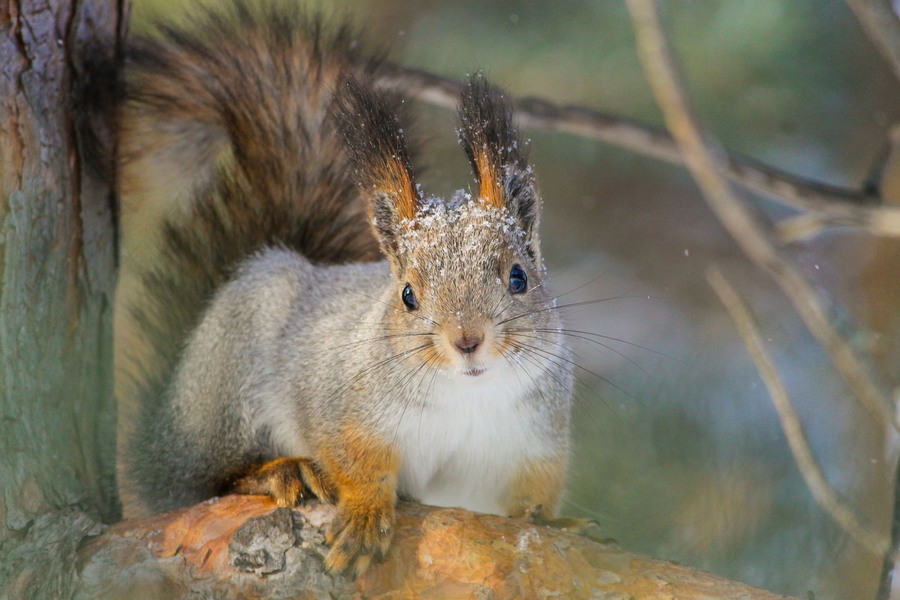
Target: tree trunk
<point x="57" y="260"/>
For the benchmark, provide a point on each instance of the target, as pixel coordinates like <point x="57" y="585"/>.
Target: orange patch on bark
<point x="201" y="533"/>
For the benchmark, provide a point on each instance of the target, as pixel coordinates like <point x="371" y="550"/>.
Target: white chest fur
<point x="463" y="447"/>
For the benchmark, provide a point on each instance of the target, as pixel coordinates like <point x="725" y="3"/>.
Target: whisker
<point x="609" y="337"/>
<point x="582" y="286"/>
<point x="551" y="355"/>
<point x="384" y="337"/>
<point x="533" y="336"/>
<point x="562" y="306"/>
<point x="428" y="392"/>
<point x="579" y="384"/>
<point x="537" y="364"/>
<point x="494" y="313"/>
<point x="372" y="368"/>
<point x="513" y="360"/>
<point x="593" y="341"/>
<point x="411" y="397"/>
<point x="384" y="404"/>
<point x="395" y="307"/>
<point x="533" y="358"/>
<point x="595" y="301"/>
<point x="557" y="344"/>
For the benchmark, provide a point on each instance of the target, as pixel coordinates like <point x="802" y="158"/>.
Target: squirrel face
<point x="469" y="286"/>
<point x="468" y="272"/>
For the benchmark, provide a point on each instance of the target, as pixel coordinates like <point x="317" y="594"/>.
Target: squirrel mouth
<point x="474" y="372"/>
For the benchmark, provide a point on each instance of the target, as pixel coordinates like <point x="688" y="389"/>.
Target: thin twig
<point x="841" y="205"/>
<point x="799" y="228"/>
<point x="705" y="166"/>
<point x="882" y="27"/>
<point x="812" y="474"/>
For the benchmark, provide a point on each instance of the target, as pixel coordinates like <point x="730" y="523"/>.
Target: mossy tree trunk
<point x="57" y="271"/>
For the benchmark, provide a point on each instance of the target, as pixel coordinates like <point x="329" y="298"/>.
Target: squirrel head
<point x="468" y="271"/>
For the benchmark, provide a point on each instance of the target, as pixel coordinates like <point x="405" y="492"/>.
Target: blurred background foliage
<point x="678" y="451"/>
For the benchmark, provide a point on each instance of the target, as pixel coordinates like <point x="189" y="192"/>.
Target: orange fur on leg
<point x="535" y="493"/>
<point x="536" y="488"/>
<point x="364" y="471"/>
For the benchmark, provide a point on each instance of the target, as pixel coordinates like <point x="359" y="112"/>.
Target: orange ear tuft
<point x="490" y="188"/>
<point x="397" y="177"/>
<point x="491" y="142"/>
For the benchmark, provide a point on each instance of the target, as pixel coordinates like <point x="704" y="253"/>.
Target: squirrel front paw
<point x="578" y="525"/>
<point x="288" y="480"/>
<point x="359" y="533"/>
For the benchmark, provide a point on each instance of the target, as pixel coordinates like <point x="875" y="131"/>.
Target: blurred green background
<point x="678" y="450"/>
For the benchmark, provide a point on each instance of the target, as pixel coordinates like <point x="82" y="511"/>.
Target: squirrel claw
<point x="588" y="528"/>
<point x="288" y="480"/>
<point x="356" y="538"/>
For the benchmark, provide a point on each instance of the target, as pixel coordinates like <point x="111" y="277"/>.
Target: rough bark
<point x="56" y="278"/>
<point x="245" y="547"/>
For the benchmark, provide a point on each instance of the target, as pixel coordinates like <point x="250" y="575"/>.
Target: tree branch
<point x="245" y="547"/>
<point x="704" y="161"/>
<point x="839" y="206"/>
<point x="790" y="423"/>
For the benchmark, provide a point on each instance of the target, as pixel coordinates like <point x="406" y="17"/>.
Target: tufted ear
<point x="370" y="129"/>
<point x="498" y="158"/>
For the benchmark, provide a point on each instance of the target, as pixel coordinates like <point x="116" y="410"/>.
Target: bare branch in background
<point x="801" y="227"/>
<point x="812" y="474"/>
<point x="706" y="164"/>
<point x="838" y="206"/>
<point x="882" y="27"/>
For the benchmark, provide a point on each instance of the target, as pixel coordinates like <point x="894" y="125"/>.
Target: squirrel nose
<point x="468" y="345"/>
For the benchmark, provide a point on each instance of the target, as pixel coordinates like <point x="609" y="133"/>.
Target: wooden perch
<point x="246" y="547"/>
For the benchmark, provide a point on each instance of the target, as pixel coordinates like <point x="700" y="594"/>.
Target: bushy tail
<point x="225" y="147"/>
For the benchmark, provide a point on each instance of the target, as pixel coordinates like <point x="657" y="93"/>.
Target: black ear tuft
<point x="486" y="125"/>
<point x="367" y="122"/>
<point x="497" y="156"/>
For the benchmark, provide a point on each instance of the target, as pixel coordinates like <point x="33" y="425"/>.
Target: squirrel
<point x="305" y="321"/>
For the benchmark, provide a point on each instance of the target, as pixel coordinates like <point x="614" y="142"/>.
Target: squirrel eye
<point x="409" y="298"/>
<point x="518" y="281"/>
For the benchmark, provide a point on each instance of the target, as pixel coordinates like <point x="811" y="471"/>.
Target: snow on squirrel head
<point x="468" y="271"/>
